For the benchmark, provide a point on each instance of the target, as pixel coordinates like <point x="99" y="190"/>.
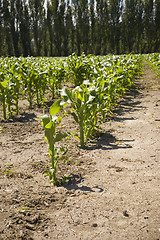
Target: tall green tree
<point x="49" y="25"/>
<point x="129" y="25"/>
<point x="25" y="31"/>
<point x="61" y="33"/>
<point x="77" y="14"/>
<point x="138" y="44"/>
<point x="115" y="9"/>
<point x="148" y="22"/>
<point x="102" y="27"/>
<point x="8" y="38"/>
<point x="157" y="26"/>
<point x="61" y="27"/>
<point x="69" y="40"/>
<point x="92" y="21"/>
<point x="56" y="19"/>
<point x="36" y="10"/>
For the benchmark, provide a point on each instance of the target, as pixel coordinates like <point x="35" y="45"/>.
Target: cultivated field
<point x="112" y="191"/>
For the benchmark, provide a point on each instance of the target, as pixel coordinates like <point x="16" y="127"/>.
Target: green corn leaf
<point x="60" y="136"/>
<point x="45" y="120"/>
<point x="81" y="96"/>
<point x="79" y="103"/>
<point x="54" y="118"/>
<point x="75" y="116"/>
<point x="77" y="137"/>
<point x="56" y="107"/>
<point x="49" y="125"/>
<point x="63" y="92"/>
<point x="67" y="95"/>
<point x="4" y="84"/>
<point x="63" y="104"/>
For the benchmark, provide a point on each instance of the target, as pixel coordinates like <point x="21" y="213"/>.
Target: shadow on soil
<point x="130" y="103"/>
<point x="107" y="141"/>
<point x="75" y="180"/>
<point x="24" y="117"/>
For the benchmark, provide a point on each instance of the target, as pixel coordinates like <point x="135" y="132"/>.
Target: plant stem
<point x="82" y="134"/>
<point x="16" y="103"/>
<point x="4" y="107"/>
<point x="37" y="94"/>
<point x="53" y="91"/>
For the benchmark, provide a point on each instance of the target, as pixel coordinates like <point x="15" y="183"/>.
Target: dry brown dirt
<point x="115" y="190"/>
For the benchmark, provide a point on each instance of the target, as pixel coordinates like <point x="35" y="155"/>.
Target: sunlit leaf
<point x="55" y="108"/>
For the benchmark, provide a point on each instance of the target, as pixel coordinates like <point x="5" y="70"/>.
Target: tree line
<point x="61" y="27"/>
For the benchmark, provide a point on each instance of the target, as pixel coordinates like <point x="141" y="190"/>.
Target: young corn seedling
<point x="83" y="109"/>
<point x="49" y="124"/>
<point x="3" y="89"/>
<point x="79" y="68"/>
<point x="9" y="171"/>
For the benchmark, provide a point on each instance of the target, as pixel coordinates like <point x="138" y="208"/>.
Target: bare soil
<point x="115" y="188"/>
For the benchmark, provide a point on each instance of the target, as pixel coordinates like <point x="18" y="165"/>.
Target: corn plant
<point x="34" y="80"/>
<point x="154" y="61"/>
<point x="49" y="124"/>
<point x="9" y="170"/>
<point x="6" y="97"/>
<point x="83" y="109"/>
<point x="3" y="90"/>
<point x="15" y="80"/>
<point x="110" y="76"/>
<point x="79" y="68"/>
<point x="56" y="76"/>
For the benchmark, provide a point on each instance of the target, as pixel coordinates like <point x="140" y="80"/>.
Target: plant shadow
<point x="107" y="141"/>
<point x="128" y="104"/>
<point x="23" y="117"/>
<point x="75" y="180"/>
